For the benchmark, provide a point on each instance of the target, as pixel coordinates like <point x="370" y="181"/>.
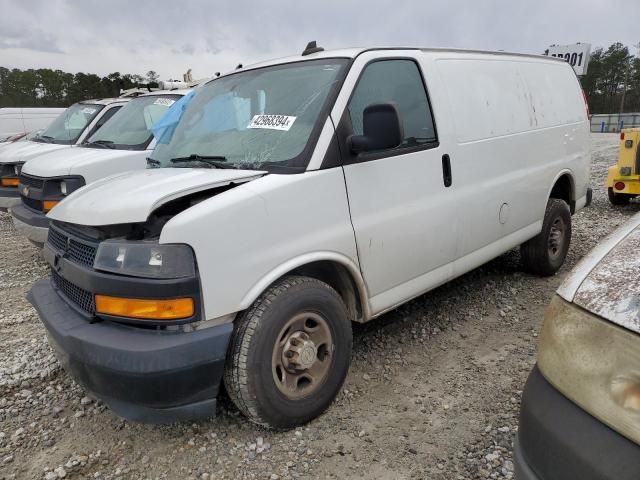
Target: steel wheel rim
<point x="556" y="237"/>
<point x="302" y="355"/>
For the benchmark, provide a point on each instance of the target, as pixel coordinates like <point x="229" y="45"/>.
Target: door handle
<point x="446" y="170"/>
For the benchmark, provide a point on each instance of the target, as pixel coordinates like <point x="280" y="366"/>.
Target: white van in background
<point x="297" y="196"/>
<point x="122" y="144"/>
<point x="71" y="128"/>
<point x="15" y="121"/>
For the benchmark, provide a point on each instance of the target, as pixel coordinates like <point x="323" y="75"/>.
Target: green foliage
<point x="54" y="88"/>
<point x="612" y="73"/>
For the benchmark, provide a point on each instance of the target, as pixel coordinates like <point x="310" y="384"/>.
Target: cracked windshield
<point x="252" y="120"/>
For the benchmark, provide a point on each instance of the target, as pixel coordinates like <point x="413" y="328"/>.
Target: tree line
<point x="612" y="83"/>
<point x="44" y="87"/>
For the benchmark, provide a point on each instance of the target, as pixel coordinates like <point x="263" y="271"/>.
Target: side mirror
<point x="381" y="127"/>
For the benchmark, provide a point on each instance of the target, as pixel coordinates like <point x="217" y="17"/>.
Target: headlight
<point x="17" y="168"/>
<point x="594" y="363"/>
<point x="70" y="184"/>
<point x="145" y="259"/>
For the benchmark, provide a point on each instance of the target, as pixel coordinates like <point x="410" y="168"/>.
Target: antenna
<point x="312" y="47"/>
<point x="239" y="66"/>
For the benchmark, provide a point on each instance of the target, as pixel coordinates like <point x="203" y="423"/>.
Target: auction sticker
<point x="273" y="122"/>
<point x="88" y="110"/>
<point x="167" y="102"/>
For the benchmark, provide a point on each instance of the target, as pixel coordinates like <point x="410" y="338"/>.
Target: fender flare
<point x="279" y="271"/>
<point x="564" y="171"/>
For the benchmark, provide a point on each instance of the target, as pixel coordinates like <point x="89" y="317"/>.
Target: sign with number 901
<point x="575" y="55"/>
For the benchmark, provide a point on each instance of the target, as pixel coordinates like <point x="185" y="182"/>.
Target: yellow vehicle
<point x="623" y="181"/>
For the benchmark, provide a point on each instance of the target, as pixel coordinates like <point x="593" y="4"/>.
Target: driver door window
<point x="399" y="82"/>
<point x="102" y="120"/>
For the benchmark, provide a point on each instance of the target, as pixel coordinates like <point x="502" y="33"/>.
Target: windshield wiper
<point x="46" y="138"/>
<point x="153" y="162"/>
<point x="215" y="161"/>
<point x="102" y="144"/>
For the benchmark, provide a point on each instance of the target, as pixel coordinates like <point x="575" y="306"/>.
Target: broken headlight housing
<point x="145" y="259"/>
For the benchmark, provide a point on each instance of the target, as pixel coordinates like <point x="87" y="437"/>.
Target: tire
<point x="545" y="253"/>
<point x="275" y="333"/>
<point x="618" y="198"/>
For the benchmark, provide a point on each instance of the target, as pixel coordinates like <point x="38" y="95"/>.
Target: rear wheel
<point x="545" y="253"/>
<point x="618" y="198"/>
<point x="290" y="353"/>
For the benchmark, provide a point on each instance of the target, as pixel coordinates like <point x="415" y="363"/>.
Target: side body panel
<point x="519" y="125"/>
<point x="243" y="237"/>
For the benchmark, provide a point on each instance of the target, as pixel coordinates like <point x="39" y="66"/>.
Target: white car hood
<point x="607" y="282"/>
<point x="132" y="196"/>
<point x="64" y="162"/>
<point x="19" y="152"/>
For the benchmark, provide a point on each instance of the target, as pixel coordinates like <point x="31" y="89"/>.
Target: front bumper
<point x="558" y="440"/>
<point x="9" y="197"/>
<point x="33" y="225"/>
<point x="144" y="375"/>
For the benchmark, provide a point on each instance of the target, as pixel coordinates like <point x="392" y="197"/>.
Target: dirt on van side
<point x="433" y="392"/>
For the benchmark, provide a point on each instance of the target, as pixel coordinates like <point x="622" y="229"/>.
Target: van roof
<point x="354" y="52"/>
<point x="176" y="91"/>
<point x="104" y="101"/>
<point x="109" y="101"/>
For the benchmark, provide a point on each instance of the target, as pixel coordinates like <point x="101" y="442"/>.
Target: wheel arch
<point x="337" y="270"/>
<point x="563" y="188"/>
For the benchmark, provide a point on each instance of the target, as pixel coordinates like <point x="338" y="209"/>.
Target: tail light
<point x="586" y="104"/>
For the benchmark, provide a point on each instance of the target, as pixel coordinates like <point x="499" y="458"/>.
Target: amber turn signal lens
<point x="49" y="204"/>
<point x="10" y="182"/>
<point x="148" y="309"/>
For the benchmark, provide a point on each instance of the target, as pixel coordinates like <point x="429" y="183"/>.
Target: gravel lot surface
<point x="433" y="392"/>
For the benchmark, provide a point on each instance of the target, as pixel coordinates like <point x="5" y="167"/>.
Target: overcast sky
<point x="134" y="36"/>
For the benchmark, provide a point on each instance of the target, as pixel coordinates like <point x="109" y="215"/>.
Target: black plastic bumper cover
<point x="143" y="375"/>
<point x="11" y="192"/>
<point x="557" y="440"/>
<point x="30" y="217"/>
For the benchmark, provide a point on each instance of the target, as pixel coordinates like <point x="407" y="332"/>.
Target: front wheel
<point x="290" y="353"/>
<point x="618" y="198"/>
<point x="545" y="253"/>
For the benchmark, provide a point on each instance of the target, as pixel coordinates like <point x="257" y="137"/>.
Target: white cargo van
<point x="71" y="128"/>
<point x="16" y="121"/>
<point x="121" y="145"/>
<point x="297" y="196"/>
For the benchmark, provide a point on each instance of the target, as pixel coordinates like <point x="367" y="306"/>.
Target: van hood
<point x="610" y="287"/>
<point x="132" y="196"/>
<point x="20" y="152"/>
<point x="68" y="161"/>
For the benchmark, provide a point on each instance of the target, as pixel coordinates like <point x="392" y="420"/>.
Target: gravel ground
<point x="433" y="392"/>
